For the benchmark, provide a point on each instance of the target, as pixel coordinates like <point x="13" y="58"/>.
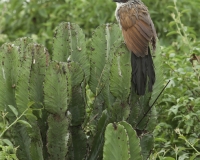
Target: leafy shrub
<point x="177" y="134"/>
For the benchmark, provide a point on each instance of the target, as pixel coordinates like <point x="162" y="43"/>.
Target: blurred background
<point x="38" y="18"/>
<point x="177" y="23"/>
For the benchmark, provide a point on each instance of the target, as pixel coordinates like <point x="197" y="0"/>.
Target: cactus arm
<point x="134" y="142"/>
<point x="116" y="145"/>
<point x="8" y="75"/>
<point x="57" y="88"/>
<point x="57" y="136"/>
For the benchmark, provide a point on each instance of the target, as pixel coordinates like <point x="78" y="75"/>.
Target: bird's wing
<point x="137" y="28"/>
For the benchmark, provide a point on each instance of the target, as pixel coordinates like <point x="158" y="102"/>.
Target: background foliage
<point x="177" y="133"/>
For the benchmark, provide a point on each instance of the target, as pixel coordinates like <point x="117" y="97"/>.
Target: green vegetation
<point x="176" y="134"/>
<point x="45" y="100"/>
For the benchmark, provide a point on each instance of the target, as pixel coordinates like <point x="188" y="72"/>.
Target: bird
<point x="140" y="38"/>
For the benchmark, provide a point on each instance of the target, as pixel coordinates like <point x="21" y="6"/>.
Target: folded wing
<point x="137" y="28"/>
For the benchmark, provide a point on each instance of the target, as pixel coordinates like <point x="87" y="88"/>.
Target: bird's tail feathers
<point x="143" y="73"/>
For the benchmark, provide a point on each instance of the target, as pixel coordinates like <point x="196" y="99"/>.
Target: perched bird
<point x="139" y="33"/>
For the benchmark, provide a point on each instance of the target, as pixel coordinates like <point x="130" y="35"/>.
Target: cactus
<point x="40" y="60"/>
<point x="16" y="76"/>
<point x="121" y="142"/>
<point x="11" y="67"/>
<point x="31" y="56"/>
<point x="57" y="94"/>
<point x="120" y="83"/>
<point x="116" y="143"/>
<point x="69" y="46"/>
<point x="8" y="76"/>
<point x="49" y="98"/>
<point x="78" y="144"/>
<point x="73" y="52"/>
<point x="22" y="85"/>
<point x="58" y="136"/>
<point x="105" y="42"/>
<point x="97" y="148"/>
<point x="101" y="58"/>
<point x="22" y="100"/>
<point x="147" y="144"/>
<point x="57" y="97"/>
<point x="110" y="82"/>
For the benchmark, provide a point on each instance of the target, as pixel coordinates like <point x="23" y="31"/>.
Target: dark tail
<point x="142" y="73"/>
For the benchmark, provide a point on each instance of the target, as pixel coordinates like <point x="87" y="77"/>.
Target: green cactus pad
<point x="57" y="136"/>
<point x="9" y="62"/>
<point x="116" y="145"/>
<point x="22" y="87"/>
<point x="120" y="79"/>
<point x="70" y="45"/>
<point x="57" y="88"/>
<point x="40" y="61"/>
<point x="134" y="142"/>
<point x="101" y="55"/>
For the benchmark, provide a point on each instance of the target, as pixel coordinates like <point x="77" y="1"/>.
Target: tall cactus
<point x="120" y="83"/>
<point x="57" y="88"/>
<point x="52" y="97"/>
<point x="40" y="61"/>
<point x="10" y="79"/>
<point x="17" y="63"/>
<point x="101" y="58"/>
<point x="22" y="100"/>
<point x="22" y="85"/>
<point x="69" y="46"/>
<point x="57" y="91"/>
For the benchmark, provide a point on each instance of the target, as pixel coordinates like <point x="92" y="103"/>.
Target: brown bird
<point x="139" y="33"/>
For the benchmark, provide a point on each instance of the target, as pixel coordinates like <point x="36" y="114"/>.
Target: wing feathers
<point x="131" y="45"/>
<point x="146" y="31"/>
<point x="137" y="28"/>
<point x="135" y="41"/>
